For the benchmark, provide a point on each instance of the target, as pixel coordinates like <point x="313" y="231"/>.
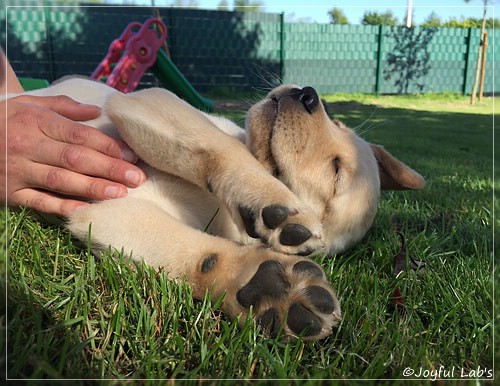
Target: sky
<point x="316" y="10"/>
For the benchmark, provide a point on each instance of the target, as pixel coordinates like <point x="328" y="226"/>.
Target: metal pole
<point x="378" y="79"/>
<point x="409" y="15"/>
<point x="282" y="47"/>
<point x="467" y="62"/>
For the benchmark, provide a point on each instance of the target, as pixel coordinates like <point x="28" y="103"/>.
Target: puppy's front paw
<point x="290" y="297"/>
<point x="287" y="229"/>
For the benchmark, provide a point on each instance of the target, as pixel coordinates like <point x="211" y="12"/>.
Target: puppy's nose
<point x="308" y="97"/>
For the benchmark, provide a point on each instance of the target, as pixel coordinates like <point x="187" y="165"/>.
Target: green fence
<point x="248" y="51"/>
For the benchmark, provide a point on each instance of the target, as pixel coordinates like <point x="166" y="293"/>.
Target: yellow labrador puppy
<point x="237" y="211"/>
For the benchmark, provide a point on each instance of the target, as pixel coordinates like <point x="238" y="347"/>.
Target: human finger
<point x="71" y="132"/>
<point x="64" y="106"/>
<point x="45" y="202"/>
<point x="87" y="161"/>
<point x="69" y="183"/>
<point x="65" y="129"/>
<point x="30" y="111"/>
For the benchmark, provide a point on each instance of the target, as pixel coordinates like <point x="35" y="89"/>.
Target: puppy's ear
<point x="395" y="175"/>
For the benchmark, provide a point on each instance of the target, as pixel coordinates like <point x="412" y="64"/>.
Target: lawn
<point x="72" y="315"/>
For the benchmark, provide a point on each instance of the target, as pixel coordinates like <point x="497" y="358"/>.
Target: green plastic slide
<point x="30" y="84"/>
<point x="172" y="79"/>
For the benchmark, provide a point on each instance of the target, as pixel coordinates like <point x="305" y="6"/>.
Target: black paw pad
<point x="270" y="321"/>
<point x="320" y="298"/>
<point x="307" y="252"/>
<point x="209" y="263"/>
<point x="248" y="217"/>
<point x="268" y="281"/>
<point x="294" y="234"/>
<point x="274" y="215"/>
<point x="308" y="268"/>
<point x="303" y="321"/>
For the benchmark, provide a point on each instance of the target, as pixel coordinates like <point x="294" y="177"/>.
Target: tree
<point x="337" y="16"/>
<point x="248" y="5"/>
<point x="479" y="54"/>
<point x="453" y="22"/>
<point x="376" y="18"/>
<point x="471" y="22"/>
<point x="490" y="22"/>
<point x="493" y="23"/>
<point x="433" y="20"/>
<point x="186" y="3"/>
<point x="223" y="6"/>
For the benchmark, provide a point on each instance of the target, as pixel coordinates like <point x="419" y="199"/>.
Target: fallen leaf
<point x="401" y="260"/>
<point x="398" y="301"/>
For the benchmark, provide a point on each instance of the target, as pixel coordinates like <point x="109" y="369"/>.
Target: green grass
<point x="443" y="102"/>
<point x="71" y="315"/>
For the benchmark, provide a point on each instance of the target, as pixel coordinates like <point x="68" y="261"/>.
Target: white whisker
<point x="358" y="128"/>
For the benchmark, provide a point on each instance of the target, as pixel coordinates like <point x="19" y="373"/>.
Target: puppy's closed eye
<point x="336" y="165"/>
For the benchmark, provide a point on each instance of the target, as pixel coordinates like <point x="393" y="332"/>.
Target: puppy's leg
<point x="287" y="293"/>
<point x="172" y="136"/>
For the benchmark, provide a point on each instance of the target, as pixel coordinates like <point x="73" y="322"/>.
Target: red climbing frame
<point x="131" y="55"/>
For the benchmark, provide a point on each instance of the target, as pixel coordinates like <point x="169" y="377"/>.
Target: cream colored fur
<point x="210" y="182"/>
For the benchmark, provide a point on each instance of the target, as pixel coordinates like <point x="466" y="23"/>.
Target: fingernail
<point x="134" y="178"/>
<point x="113" y="191"/>
<point x="97" y="109"/>
<point x="129" y="155"/>
<point x="87" y="105"/>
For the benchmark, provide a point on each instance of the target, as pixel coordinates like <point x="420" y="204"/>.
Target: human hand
<point x="55" y="162"/>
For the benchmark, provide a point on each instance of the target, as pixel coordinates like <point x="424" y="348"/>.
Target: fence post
<point x="467" y="61"/>
<point x="48" y="32"/>
<point x="282" y="47"/>
<point x="378" y="79"/>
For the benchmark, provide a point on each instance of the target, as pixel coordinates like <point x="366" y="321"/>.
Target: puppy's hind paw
<point x="291" y="298"/>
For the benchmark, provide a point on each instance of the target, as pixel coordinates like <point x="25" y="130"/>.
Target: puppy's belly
<point x="188" y="204"/>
